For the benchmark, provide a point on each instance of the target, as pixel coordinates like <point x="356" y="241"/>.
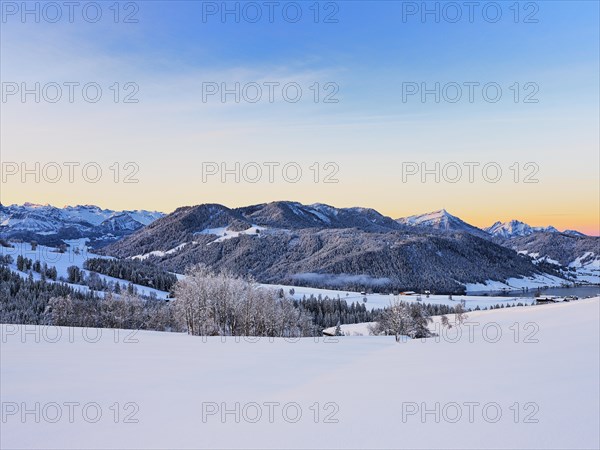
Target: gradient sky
<point x="369" y="133"/>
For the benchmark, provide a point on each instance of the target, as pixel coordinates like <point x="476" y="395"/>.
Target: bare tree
<point x="460" y="314"/>
<point x="401" y="319"/>
<point x="223" y="304"/>
<point x="445" y="322"/>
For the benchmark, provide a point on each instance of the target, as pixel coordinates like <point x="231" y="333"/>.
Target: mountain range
<point x="51" y="225"/>
<point x="291" y="243"/>
<point x="91" y="220"/>
<point x="516" y="228"/>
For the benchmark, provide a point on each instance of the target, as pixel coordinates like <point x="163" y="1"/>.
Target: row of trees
<point x="137" y="272"/>
<point x="75" y="275"/>
<point x="23" y="300"/>
<point x="328" y="312"/>
<point x="126" y="311"/>
<point x="94" y="281"/>
<point x="26" y="264"/>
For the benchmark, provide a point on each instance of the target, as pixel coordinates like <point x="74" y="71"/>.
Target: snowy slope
<point x="579" y="253"/>
<point x="76" y="254"/>
<point x="361" y="386"/>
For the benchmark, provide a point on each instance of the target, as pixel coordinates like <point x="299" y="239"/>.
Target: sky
<point x="306" y="101"/>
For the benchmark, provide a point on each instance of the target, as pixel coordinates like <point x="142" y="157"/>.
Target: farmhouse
<point x="547" y="299"/>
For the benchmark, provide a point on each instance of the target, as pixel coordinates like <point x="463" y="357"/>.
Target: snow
<point x="352" y="329"/>
<point x="90" y="214"/>
<point x="426" y="219"/>
<point x="144" y="217"/>
<point x="317" y="208"/>
<point x="76" y="255"/>
<point x="383" y="300"/>
<point x="47" y="218"/>
<point x="516" y="228"/>
<point x="363" y="385"/>
<point x="586" y="260"/>
<point x="537" y="281"/>
<point x="224" y="233"/>
<point x="587" y="268"/>
<point x="160" y="253"/>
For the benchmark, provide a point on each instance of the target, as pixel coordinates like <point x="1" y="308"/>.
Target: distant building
<point x="547" y="299"/>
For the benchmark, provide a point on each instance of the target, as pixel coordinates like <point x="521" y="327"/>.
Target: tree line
<point x="328" y="312"/>
<point x="137" y="272"/>
<point x="26" y="264"/>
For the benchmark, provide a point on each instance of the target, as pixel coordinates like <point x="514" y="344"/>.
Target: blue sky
<point x="369" y="133"/>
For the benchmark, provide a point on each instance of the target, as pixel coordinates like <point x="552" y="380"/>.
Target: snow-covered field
<point x="534" y="385"/>
<point x="537" y="281"/>
<point x="383" y="300"/>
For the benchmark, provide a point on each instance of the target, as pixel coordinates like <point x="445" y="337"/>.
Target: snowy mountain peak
<point x="441" y="220"/>
<point x="516" y="228"/>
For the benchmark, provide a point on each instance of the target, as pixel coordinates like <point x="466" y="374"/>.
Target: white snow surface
<point x="537" y="281"/>
<point x="382" y="300"/>
<point x="361" y="384"/>
<point x="224" y="233"/>
<point x="352" y="329"/>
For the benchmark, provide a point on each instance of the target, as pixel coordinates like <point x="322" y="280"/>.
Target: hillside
<point x="289" y="244"/>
